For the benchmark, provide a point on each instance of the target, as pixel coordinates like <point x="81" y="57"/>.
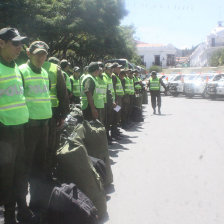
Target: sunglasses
<point x="16" y="43"/>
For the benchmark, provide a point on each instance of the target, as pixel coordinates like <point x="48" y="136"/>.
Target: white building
<point x="202" y="54"/>
<point x="156" y="54"/>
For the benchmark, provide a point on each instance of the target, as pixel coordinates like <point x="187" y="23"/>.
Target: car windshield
<point x="189" y="77"/>
<point x="177" y="78"/>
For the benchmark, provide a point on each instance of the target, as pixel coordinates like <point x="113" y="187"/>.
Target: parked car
<point x="176" y="86"/>
<point x="215" y="86"/>
<point x="197" y="85"/>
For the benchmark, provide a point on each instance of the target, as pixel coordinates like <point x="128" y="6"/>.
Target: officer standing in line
<point x="76" y="85"/>
<point x="154" y="87"/>
<point x="60" y="107"/>
<point x="119" y="92"/>
<point x="125" y="99"/>
<point x="110" y="103"/>
<point x="65" y="66"/>
<point x="138" y="89"/>
<point x="102" y="81"/>
<point x="13" y="115"/>
<point x="38" y="101"/>
<point x="91" y="99"/>
<point x="131" y="94"/>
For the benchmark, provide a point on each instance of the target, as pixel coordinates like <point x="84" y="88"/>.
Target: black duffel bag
<point x="68" y="205"/>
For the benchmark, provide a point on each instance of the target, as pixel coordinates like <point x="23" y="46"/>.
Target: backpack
<point x="68" y="205"/>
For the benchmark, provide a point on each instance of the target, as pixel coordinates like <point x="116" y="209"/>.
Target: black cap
<point x="76" y="69"/>
<point x="54" y="60"/>
<point x="11" y="34"/>
<point x="64" y="63"/>
<point x="93" y="66"/>
<point x="38" y="46"/>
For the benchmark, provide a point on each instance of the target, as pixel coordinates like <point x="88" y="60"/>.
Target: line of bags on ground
<point x="83" y="166"/>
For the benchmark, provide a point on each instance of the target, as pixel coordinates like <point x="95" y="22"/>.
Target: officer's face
<point x="10" y="50"/>
<point x="38" y="59"/>
<point x="117" y="70"/>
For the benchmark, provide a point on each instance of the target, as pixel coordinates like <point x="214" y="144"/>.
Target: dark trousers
<point x="109" y="115"/>
<point x="36" y="142"/>
<point x="12" y="165"/>
<point x="117" y="115"/>
<point x="130" y="109"/>
<point x="125" y="108"/>
<point x="155" y="96"/>
<point x="53" y="144"/>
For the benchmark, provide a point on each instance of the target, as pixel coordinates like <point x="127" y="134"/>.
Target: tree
<point x="79" y="30"/>
<point x="217" y="58"/>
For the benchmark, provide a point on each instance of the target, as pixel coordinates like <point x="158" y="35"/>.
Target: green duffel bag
<point x="93" y="135"/>
<point x="74" y="166"/>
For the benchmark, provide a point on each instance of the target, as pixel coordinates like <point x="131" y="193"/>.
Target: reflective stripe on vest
<point x="138" y="86"/>
<point x="13" y="109"/>
<point x="103" y="87"/>
<point x="67" y="81"/>
<point x="132" y="89"/>
<point x="127" y="86"/>
<point x="52" y="71"/>
<point x="110" y="85"/>
<point x="119" y="88"/>
<point x="37" y="93"/>
<point x="97" y="99"/>
<point x="76" y="87"/>
<point x="154" y="84"/>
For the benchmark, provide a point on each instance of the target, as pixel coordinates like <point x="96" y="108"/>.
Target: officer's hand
<point x="114" y="105"/>
<point x="95" y="114"/>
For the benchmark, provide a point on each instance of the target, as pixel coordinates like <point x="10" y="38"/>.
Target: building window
<point x="157" y="60"/>
<point x="170" y="60"/>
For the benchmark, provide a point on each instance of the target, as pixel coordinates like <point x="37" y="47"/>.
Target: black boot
<point x="159" y="111"/>
<point x="154" y="110"/>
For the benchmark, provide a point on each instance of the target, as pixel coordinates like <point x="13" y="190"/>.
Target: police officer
<point x="38" y="101"/>
<point x="131" y="94"/>
<point x="110" y="100"/>
<point x="13" y="115"/>
<point x="65" y="66"/>
<point x="91" y="98"/>
<point x="76" y="85"/>
<point x="60" y="107"/>
<point x="154" y="87"/>
<point x="125" y="99"/>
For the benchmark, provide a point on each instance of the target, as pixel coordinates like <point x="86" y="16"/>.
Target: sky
<point x="183" y="23"/>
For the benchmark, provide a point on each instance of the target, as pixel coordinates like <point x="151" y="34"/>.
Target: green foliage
<point x="155" y="68"/>
<point x="79" y="30"/>
<point x="217" y="58"/>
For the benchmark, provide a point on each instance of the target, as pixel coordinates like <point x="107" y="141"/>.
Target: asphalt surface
<point x="169" y="168"/>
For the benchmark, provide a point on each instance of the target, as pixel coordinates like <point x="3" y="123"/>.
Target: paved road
<point x="170" y="169"/>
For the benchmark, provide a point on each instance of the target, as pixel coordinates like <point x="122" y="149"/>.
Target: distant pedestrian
<point x="154" y="87"/>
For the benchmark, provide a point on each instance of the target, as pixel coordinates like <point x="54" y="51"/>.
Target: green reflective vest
<point x="154" y="84"/>
<point x="13" y="109"/>
<point x="138" y="86"/>
<point x="37" y="93"/>
<point x="97" y="97"/>
<point x="67" y="81"/>
<point x="132" y="89"/>
<point x="76" y="88"/>
<point x="119" y="88"/>
<point x="103" y="86"/>
<point x="127" y="86"/>
<point x="110" y="86"/>
<point x="52" y="70"/>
